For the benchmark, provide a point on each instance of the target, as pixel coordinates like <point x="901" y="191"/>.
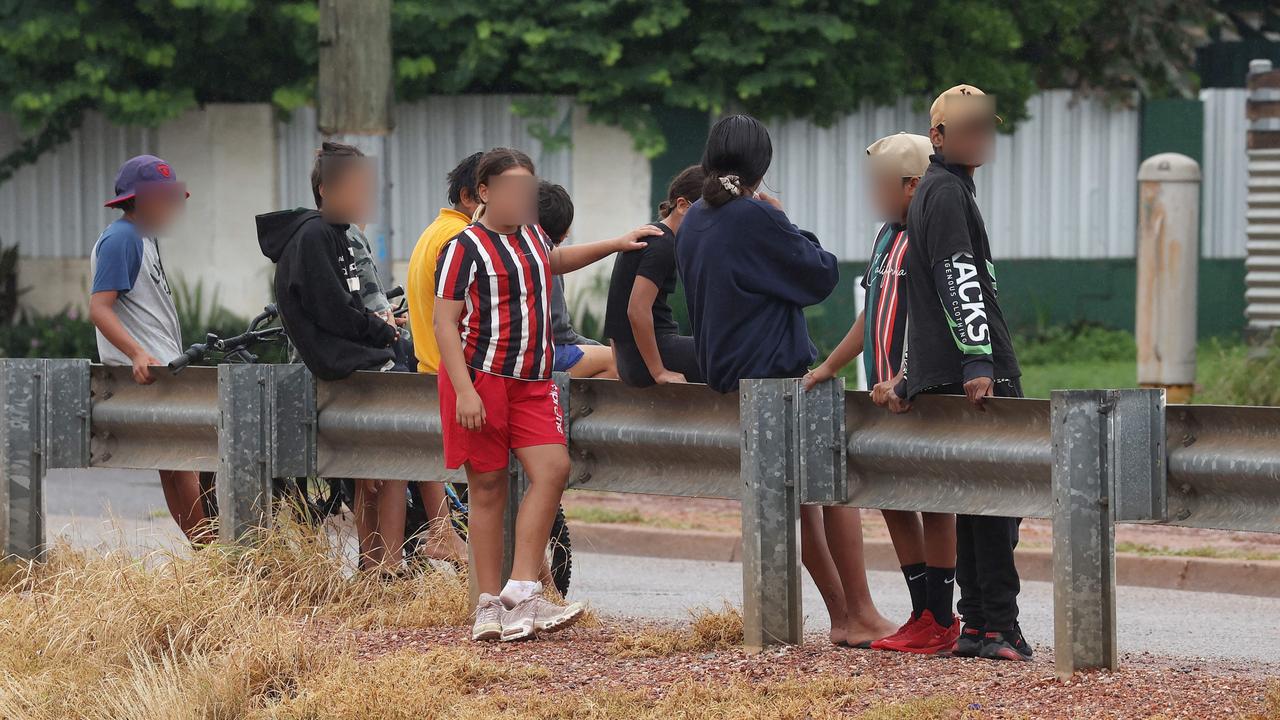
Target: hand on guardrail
<point x="820" y="374"/>
<point x="885" y="395"/>
<point x="666" y="377"/>
<point x="142" y="364"/>
<point x="978" y="390"/>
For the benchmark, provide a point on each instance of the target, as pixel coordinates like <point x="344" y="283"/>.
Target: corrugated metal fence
<point x="1062" y="186"/>
<point x="53" y="208"/>
<point x="428" y="141"/>
<point x="1224" y="192"/>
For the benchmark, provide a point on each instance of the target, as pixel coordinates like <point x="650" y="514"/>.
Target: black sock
<point x="915" y="577"/>
<point x="941" y="584"/>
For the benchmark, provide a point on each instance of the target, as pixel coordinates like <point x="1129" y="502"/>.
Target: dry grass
<point x="236" y="634"/>
<point x="708" y="630"/>
<point x="85" y="631"/>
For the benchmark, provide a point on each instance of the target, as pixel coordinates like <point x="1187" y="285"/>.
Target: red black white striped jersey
<point x="886" y="304"/>
<point x="506" y="283"/>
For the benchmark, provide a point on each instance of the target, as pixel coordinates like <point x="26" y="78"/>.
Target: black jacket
<point x="325" y="319"/>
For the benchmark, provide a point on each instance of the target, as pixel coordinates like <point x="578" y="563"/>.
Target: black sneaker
<point x="1005" y="646"/>
<point x="969" y="644"/>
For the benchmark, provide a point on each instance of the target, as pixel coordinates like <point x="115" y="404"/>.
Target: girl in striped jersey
<point x="492" y="321"/>
<point x="925" y="542"/>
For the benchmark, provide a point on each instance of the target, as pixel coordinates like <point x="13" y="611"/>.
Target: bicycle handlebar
<point x="195" y="353"/>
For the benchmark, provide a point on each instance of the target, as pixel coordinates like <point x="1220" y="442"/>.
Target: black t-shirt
<point x="657" y="263"/>
<point x="955" y="329"/>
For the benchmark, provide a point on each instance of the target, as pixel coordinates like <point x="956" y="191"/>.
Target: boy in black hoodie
<point x="317" y="291"/>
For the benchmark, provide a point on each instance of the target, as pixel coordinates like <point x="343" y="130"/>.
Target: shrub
<point x="1077" y="341"/>
<point x="68" y="334"/>
<point x="1240" y="375"/>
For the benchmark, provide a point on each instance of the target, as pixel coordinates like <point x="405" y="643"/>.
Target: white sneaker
<point x="536" y="614"/>
<point x="488" y="624"/>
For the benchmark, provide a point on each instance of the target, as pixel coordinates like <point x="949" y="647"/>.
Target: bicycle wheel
<point x="313" y="499"/>
<point x="560" y="553"/>
<point x="209" y="494"/>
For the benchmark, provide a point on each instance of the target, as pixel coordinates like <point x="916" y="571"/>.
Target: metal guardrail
<point x="1086" y="459"/>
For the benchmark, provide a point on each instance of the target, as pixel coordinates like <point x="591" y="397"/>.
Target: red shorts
<point x="517" y="413"/>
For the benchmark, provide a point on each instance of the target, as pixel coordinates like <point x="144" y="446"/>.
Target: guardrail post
<point x="22" y="459"/>
<point x="771" y="610"/>
<point x="1084" y="574"/>
<point x="293" y="421"/>
<point x="244" y="469"/>
<point x="823" y="472"/>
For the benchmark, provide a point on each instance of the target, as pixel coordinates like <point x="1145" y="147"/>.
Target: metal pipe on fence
<point x="1224" y="467"/>
<point x="947" y="456"/>
<point x="1168" y="259"/>
<point x="629" y="440"/>
<point x="170" y="424"/>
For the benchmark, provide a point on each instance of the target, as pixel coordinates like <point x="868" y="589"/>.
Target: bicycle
<point x="317" y="499"/>
<point x="314" y="499"/>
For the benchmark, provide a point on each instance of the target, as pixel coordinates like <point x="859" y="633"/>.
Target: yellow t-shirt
<point x="420" y="286"/>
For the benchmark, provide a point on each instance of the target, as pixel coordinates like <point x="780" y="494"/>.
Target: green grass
<point x="1202" y="551"/>
<point x="604" y="515"/>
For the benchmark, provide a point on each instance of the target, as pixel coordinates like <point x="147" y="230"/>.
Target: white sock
<point x="516" y="590"/>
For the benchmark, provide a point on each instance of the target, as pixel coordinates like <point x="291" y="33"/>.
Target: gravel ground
<point x="1145" y="687"/>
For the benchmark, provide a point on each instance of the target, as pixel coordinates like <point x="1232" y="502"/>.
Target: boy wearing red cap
<point x="131" y="306"/>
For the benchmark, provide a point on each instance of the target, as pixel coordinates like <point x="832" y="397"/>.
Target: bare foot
<point x="861" y="631"/>
<point x="837" y="635"/>
<point x="445" y="545"/>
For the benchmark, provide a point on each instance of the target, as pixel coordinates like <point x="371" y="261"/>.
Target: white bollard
<point x="1168" y="267"/>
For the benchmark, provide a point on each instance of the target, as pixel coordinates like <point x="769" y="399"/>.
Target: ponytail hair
<point x="687" y="185"/>
<point x="737" y="156"/>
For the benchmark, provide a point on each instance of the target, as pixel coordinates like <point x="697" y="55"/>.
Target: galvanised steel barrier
<point x="1087" y="459"/>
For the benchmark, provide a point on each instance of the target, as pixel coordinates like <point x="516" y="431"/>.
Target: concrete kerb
<point x="1259" y="578"/>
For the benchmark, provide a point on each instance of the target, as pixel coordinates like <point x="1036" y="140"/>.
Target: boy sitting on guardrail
<point x="959" y="345"/>
<point x="131" y="307"/>
<point x="318" y="292"/>
<point x="493" y="325"/>
<point x="925" y="542"/>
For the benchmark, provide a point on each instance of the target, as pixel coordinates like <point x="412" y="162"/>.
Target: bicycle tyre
<point x="315" y="507"/>
<point x="561" y="551"/>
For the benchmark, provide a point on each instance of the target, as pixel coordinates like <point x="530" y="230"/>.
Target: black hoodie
<point x="324" y="317"/>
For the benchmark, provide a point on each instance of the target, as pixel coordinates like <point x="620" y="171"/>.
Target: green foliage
<point x="1240" y="375"/>
<point x="1076" y="342"/>
<point x="66" y="335"/>
<point x="199" y="315"/>
<point x="146" y="61"/>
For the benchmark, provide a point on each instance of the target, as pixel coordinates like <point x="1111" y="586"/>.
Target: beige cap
<point x="904" y="154"/>
<point x="954" y="104"/>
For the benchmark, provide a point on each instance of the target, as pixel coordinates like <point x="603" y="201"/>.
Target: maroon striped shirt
<point x="505" y="281"/>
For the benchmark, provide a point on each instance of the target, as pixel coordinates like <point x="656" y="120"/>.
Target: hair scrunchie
<point x="731" y="183"/>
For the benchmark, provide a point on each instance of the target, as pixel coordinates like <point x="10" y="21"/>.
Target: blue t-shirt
<point x="119" y="257"/>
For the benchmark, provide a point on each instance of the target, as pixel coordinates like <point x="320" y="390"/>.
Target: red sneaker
<point x="904" y="633"/>
<point x="933" y="638"/>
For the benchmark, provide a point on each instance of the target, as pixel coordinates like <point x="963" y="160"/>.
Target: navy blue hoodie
<point x="748" y="274"/>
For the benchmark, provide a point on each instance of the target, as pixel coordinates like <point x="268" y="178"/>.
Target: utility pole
<point x="355" y="96"/>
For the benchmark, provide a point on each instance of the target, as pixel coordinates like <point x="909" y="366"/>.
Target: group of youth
<point x="487" y="316"/>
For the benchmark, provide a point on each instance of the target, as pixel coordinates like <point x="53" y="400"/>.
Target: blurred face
<point x="510" y="198"/>
<point x="350" y="192"/>
<point x="970" y="142"/>
<point x="891" y="195"/>
<point x="158" y="205"/>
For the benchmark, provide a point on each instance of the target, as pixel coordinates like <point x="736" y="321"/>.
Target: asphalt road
<point x="95" y="506"/>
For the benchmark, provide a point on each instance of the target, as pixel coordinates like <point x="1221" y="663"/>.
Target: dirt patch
<point x="583" y="661"/>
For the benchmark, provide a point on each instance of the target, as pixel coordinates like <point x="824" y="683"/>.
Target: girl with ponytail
<point x="748" y="275"/>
